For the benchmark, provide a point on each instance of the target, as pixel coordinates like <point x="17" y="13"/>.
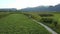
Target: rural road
<point x="49" y="29"/>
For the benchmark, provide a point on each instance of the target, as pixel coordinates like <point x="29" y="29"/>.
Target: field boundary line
<point x="46" y="27"/>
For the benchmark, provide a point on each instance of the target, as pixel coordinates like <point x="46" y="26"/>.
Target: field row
<point x="20" y="24"/>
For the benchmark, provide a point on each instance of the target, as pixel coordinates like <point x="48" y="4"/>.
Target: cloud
<point x="29" y="3"/>
<point x="34" y="3"/>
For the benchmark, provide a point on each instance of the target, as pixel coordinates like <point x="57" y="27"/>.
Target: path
<point x="49" y="29"/>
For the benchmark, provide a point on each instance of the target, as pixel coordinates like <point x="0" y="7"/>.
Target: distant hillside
<point x="43" y="8"/>
<point x="8" y="9"/>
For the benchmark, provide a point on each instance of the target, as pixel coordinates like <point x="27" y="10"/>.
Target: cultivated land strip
<point x="20" y="24"/>
<point x="49" y="29"/>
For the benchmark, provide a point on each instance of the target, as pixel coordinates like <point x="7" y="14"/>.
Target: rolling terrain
<point x="20" y="24"/>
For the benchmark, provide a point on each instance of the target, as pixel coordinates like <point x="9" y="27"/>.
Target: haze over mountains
<point x="43" y="8"/>
<point x="39" y="8"/>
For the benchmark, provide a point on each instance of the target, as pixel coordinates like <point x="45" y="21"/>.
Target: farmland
<point x="16" y="23"/>
<point x="51" y="21"/>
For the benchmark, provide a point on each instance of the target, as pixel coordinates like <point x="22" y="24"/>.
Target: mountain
<point x="39" y="8"/>
<point x="57" y="7"/>
<point x="8" y="9"/>
<point x="43" y="8"/>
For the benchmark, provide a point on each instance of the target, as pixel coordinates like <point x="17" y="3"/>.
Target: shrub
<point x="47" y="20"/>
<point x="55" y="23"/>
<point x="46" y="15"/>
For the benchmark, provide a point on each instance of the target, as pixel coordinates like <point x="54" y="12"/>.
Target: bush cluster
<point x="49" y="20"/>
<point x="46" y="20"/>
<point x="46" y="15"/>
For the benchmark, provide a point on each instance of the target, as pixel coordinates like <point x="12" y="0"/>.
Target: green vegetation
<point x="20" y="24"/>
<point x="3" y="14"/>
<point x="51" y="19"/>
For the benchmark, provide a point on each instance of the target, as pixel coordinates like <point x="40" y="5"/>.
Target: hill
<point x="43" y="8"/>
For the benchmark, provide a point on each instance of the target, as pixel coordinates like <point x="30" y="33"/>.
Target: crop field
<point x="19" y="24"/>
<point x="51" y="21"/>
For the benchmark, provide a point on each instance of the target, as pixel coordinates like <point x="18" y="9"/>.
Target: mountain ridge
<point x="43" y="8"/>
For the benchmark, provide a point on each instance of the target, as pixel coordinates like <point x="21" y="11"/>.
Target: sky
<point x="19" y="4"/>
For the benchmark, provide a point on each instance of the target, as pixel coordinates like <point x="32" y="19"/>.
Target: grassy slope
<point x="56" y="17"/>
<point x="20" y="24"/>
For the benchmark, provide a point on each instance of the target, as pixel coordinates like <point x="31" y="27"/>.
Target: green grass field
<point x="20" y="24"/>
<point x="55" y="17"/>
